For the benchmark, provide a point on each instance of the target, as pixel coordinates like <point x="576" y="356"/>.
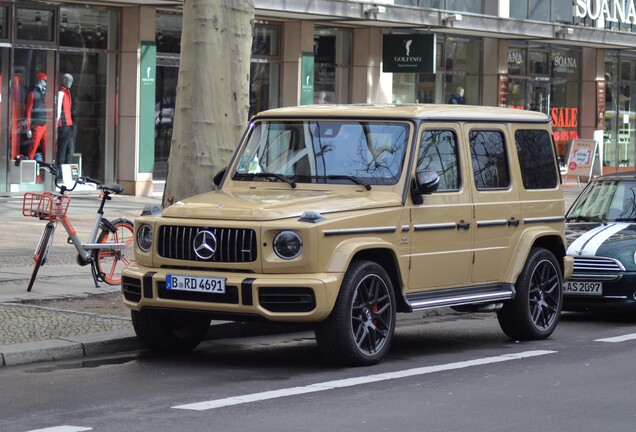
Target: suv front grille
<point x="233" y="245"/>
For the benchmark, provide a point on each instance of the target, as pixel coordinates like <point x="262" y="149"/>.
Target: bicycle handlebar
<point x="55" y="171"/>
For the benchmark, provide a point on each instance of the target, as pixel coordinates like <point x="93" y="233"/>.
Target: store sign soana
<point x="610" y="10"/>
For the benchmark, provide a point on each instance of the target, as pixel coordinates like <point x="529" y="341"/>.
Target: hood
<point x="262" y="205"/>
<point x="593" y="239"/>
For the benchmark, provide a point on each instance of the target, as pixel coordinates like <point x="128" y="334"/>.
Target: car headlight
<point x="288" y="245"/>
<point x="144" y="237"/>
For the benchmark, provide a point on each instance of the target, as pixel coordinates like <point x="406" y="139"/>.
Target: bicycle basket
<point x="45" y="205"/>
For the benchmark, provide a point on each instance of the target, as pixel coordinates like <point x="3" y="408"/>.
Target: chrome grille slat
<point x="233" y="244"/>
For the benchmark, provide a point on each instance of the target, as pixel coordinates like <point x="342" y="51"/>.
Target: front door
<point x="442" y="226"/>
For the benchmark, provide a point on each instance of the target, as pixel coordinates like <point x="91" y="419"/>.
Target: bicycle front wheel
<point x="41" y="252"/>
<point x="110" y="262"/>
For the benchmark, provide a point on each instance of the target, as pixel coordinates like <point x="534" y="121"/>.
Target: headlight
<point x="144" y="237"/>
<point x="288" y="245"/>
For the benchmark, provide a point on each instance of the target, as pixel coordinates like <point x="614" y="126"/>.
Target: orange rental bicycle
<point x="110" y="244"/>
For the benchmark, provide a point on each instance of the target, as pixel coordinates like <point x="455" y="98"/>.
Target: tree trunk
<point x="212" y="105"/>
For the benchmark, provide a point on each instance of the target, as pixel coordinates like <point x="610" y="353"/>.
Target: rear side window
<point x="536" y="159"/>
<point x="438" y="152"/>
<point x="490" y="164"/>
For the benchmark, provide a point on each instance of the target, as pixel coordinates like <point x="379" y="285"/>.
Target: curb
<point x="90" y="345"/>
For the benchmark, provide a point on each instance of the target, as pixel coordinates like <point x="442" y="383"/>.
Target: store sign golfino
<point x="414" y="53"/>
<point x="623" y="11"/>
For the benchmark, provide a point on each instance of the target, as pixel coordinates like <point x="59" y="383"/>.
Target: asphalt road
<point x="446" y="373"/>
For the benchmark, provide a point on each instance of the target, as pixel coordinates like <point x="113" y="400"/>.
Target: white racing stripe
<point x="589" y="242"/>
<point x="616" y="339"/>
<point x="350" y="382"/>
<point x="63" y="429"/>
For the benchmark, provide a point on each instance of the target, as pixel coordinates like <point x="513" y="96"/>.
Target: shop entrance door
<point x="538" y="96"/>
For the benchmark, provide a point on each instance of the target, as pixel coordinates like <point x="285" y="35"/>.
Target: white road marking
<point x="63" y="429"/>
<point x="623" y="338"/>
<point x="350" y="382"/>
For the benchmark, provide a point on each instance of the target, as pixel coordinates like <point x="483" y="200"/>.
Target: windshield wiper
<point x="352" y="179"/>
<point x="267" y="175"/>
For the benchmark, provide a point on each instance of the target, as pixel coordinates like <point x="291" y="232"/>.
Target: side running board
<point x="460" y="296"/>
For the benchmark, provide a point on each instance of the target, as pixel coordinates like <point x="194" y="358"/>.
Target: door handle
<point x="513" y="222"/>
<point x="463" y="225"/>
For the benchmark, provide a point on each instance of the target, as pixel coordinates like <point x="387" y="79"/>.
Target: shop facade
<point x="572" y="61"/>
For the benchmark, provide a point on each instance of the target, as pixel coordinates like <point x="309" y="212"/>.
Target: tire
<point x="41" y="252"/>
<point x="360" y="328"/>
<point x="168" y="331"/>
<point x="110" y="263"/>
<point x="534" y="312"/>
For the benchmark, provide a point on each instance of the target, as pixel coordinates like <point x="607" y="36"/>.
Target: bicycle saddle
<point x="112" y="188"/>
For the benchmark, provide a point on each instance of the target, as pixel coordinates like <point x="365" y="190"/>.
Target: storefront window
<point x="3" y="23"/>
<point x="265" y="69"/>
<point x="619" y="137"/>
<point x="85" y="28"/>
<point x="168" y="40"/>
<point x="168" y="33"/>
<point x="474" y="6"/>
<point x="551" y="85"/>
<point x="542" y="10"/>
<point x="32" y="95"/>
<point x="332" y="65"/>
<point x="34" y="24"/>
<point x="457" y="77"/>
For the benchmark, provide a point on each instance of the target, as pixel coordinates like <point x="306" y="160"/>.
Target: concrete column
<point x="493" y="49"/>
<point x="137" y="24"/>
<point x="369" y="84"/>
<point x="592" y="70"/>
<point x="298" y="38"/>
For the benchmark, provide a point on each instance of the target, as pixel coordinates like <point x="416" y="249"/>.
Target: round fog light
<point x="287" y="245"/>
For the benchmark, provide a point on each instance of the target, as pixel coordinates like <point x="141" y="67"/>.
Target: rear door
<point x="497" y="209"/>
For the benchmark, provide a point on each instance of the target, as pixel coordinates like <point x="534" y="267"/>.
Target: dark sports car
<point x="601" y="234"/>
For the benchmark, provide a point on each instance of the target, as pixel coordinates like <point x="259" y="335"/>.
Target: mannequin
<point x="457" y="97"/>
<point x="64" y="118"/>
<point x="35" y="113"/>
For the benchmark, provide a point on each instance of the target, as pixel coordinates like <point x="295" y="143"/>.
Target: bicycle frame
<point x="54" y="206"/>
<point x="85" y="249"/>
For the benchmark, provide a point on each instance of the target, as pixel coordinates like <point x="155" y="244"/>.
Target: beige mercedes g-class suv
<point x="342" y="216"/>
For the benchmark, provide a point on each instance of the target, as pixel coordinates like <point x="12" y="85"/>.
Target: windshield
<point x="609" y="201"/>
<point x="345" y="152"/>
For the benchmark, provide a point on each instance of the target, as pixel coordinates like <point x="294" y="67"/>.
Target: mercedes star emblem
<point x="204" y="244"/>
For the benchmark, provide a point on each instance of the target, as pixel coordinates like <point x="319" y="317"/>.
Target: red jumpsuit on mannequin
<point x="35" y="113"/>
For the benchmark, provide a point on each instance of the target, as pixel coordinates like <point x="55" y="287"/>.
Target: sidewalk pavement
<point x="31" y="333"/>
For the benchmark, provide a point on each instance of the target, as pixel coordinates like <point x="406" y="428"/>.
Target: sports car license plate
<point x="583" y="288"/>
<point x="195" y="283"/>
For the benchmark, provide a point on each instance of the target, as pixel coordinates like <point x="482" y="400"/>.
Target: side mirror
<point x="219" y="177"/>
<point x="425" y="183"/>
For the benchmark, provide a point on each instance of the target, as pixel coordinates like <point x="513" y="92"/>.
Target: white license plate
<point x="195" y="283"/>
<point x="583" y="288"/>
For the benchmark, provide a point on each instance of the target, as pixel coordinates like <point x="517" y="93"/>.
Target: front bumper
<point x="617" y="294"/>
<point x="282" y="298"/>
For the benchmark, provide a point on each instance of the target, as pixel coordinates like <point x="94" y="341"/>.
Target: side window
<point x="490" y="164"/>
<point x="438" y="152"/>
<point x="536" y="159"/>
